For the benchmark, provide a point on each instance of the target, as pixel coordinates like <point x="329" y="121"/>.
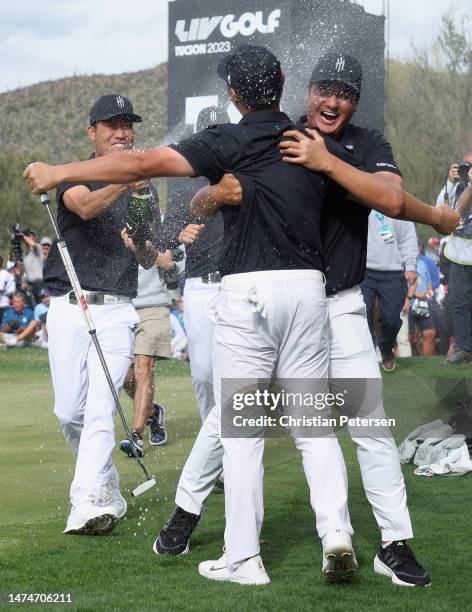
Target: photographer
<point x="33" y="261"/>
<point x="458" y="252"/>
<point x="448" y="194"/>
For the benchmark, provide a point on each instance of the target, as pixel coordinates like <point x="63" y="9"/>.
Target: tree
<point x="429" y="106"/>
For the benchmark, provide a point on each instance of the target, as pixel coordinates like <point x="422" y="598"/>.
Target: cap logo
<point x="213" y="117"/>
<point x="120" y="102"/>
<point x="340" y="63"/>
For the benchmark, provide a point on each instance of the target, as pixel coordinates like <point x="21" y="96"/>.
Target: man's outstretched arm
<point x="118" y="167"/>
<point x="443" y="219"/>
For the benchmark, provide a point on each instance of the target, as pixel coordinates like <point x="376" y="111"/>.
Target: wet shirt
<point x="101" y="260"/>
<point x="345" y="223"/>
<point x="277" y="226"/>
<point x="203" y="255"/>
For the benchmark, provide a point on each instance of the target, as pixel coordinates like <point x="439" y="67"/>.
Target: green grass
<point x="120" y="572"/>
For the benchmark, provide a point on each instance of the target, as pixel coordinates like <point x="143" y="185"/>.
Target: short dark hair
<point x="262" y="102"/>
<point x="255" y="74"/>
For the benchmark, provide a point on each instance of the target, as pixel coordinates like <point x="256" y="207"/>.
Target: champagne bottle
<point x="140" y="216"/>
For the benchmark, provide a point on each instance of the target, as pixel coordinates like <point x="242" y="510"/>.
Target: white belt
<point x="100" y="299"/>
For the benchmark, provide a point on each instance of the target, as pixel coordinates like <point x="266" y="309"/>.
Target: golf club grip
<point x="74" y="281"/>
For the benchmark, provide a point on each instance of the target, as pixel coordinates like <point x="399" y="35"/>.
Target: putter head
<point x="142" y="488"/>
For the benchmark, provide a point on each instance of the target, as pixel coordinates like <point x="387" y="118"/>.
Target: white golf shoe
<point x="91" y="519"/>
<point x="110" y="496"/>
<point x="339" y="560"/>
<point x="250" y="571"/>
<point x="100" y="516"/>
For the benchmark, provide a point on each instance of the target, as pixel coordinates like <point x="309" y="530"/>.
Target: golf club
<point x="82" y="303"/>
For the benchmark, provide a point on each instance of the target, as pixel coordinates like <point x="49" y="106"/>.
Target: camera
<point x="16" y="238"/>
<point x="14" y="326"/>
<point x="463" y="172"/>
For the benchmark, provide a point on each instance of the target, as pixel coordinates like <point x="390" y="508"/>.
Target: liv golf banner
<point x="201" y="32"/>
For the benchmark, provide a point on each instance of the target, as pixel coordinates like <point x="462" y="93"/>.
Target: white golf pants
<point x="84" y="403"/>
<point x="199" y="327"/>
<point x="274" y="325"/>
<point x="352" y="355"/>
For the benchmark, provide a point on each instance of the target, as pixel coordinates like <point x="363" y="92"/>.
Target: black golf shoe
<point x="398" y="562"/>
<point x="174" y="538"/>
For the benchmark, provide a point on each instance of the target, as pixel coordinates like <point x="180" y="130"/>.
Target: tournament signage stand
<point x="201" y="32"/>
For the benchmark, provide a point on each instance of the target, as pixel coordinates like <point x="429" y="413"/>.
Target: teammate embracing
<point x="331" y="101"/>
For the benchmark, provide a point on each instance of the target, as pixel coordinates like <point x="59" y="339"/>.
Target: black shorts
<point x="419" y="323"/>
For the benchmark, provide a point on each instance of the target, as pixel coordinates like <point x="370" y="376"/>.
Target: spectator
<point x="46" y="244"/>
<point x="433" y="249"/>
<point x="40" y="315"/>
<point x="7" y="288"/>
<point x="391" y="263"/>
<point x="152" y="304"/>
<point x="420" y="319"/>
<point x="33" y="262"/>
<point x="448" y="194"/>
<point x="430" y="264"/>
<point x="18" y="322"/>
<point x="458" y="251"/>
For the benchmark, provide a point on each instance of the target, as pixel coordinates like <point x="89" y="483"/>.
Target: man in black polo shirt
<point x="351" y="351"/>
<point x="203" y="241"/>
<point x="91" y="216"/>
<point x="274" y="289"/>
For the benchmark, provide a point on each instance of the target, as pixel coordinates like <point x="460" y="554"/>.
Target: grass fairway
<point x="120" y="572"/>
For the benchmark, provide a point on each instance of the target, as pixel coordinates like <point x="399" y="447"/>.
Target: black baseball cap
<point x="338" y="67"/>
<point x="112" y="105"/>
<point x="253" y="72"/>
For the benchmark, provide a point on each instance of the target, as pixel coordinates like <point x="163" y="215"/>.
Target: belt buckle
<point x="212" y="277"/>
<point x="109" y="299"/>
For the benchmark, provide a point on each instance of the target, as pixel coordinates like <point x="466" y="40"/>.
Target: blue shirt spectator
<point x="423" y="276"/>
<point x="40" y="309"/>
<point x="20" y="317"/>
<point x="432" y="269"/>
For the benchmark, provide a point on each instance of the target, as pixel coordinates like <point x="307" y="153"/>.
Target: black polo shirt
<point x="203" y="255"/>
<point x="100" y="258"/>
<point x="277" y="226"/>
<point x="345" y="223"/>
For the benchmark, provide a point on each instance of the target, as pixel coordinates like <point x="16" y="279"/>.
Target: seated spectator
<point x="40" y="315"/>
<point x="7" y="288"/>
<point x="18" y="323"/>
<point x="420" y="321"/>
